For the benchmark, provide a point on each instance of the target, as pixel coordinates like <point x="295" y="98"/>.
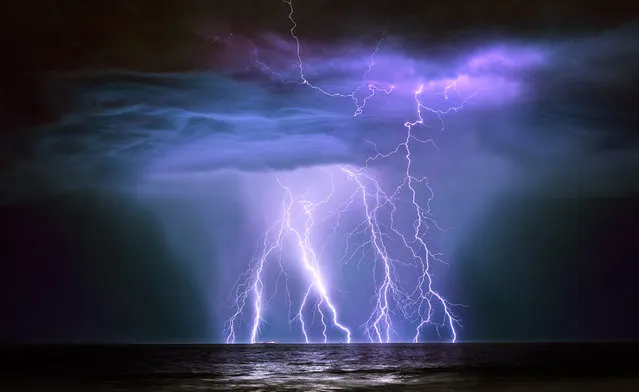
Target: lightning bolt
<point x="370" y="85"/>
<point x="311" y="264"/>
<point x="273" y="243"/>
<point x="422" y="303"/>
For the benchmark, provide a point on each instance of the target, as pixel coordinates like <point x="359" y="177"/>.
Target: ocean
<point x="283" y="367"/>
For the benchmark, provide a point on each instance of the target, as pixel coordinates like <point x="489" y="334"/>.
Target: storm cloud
<point x="530" y="101"/>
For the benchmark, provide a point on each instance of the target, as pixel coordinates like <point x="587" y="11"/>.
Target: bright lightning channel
<point x="418" y="304"/>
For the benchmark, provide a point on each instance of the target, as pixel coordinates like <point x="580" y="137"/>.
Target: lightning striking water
<point x="422" y="304"/>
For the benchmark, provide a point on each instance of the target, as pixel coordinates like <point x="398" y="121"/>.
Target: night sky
<point x="140" y="140"/>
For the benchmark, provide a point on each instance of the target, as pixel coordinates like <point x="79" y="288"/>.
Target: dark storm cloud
<point x="117" y="120"/>
<point x="537" y="98"/>
<point x="580" y="100"/>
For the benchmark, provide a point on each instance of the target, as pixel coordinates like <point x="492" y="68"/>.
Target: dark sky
<point x="138" y="139"/>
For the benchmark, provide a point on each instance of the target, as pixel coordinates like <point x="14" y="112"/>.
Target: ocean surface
<point x="275" y="367"/>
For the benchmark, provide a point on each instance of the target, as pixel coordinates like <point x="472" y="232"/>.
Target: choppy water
<point x="439" y="367"/>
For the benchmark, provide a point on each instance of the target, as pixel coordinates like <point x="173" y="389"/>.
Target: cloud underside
<point x="529" y="99"/>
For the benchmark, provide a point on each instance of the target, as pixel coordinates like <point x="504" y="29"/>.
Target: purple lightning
<point x="422" y="304"/>
<point x="273" y="241"/>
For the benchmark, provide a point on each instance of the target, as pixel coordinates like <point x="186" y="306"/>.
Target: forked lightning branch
<point x="420" y="303"/>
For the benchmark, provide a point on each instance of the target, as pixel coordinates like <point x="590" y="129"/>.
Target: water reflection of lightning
<point x="421" y="304"/>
